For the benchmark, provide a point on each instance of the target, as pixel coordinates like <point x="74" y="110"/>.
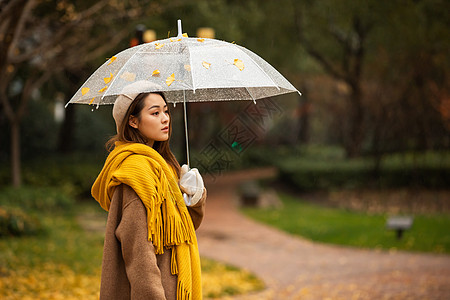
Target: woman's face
<point x="153" y="121"/>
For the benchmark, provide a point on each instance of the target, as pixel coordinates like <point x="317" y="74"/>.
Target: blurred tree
<point x="43" y="39"/>
<point x="410" y="82"/>
<point x="335" y="34"/>
<point x="390" y="60"/>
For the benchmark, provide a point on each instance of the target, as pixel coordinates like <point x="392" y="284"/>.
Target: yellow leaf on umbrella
<point x="200" y="40"/>
<point x="185" y="35"/>
<point x="187" y="68"/>
<point x="158" y="45"/>
<point x="92" y="100"/>
<point x="156" y="73"/>
<point x="170" y="79"/>
<point x="108" y="79"/>
<point x="128" y="76"/>
<point x="206" y="65"/>
<point x="238" y="63"/>
<point x="84" y="91"/>
<point x="111" y="60"/>
<point x="103" y="89"/>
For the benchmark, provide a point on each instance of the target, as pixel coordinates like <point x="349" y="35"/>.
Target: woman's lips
<point x="165" y="129"/>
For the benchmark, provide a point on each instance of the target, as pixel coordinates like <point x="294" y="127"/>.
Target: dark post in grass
<point x="399" y="224"/>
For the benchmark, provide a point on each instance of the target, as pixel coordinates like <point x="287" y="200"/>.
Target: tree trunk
<point x="355" y="138"/>
<point x="16" y="173"/>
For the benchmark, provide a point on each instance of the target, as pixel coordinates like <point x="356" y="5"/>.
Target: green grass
<point x="429" y="233"/>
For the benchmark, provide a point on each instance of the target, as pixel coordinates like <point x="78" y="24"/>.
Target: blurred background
<point x="370" y="133"/>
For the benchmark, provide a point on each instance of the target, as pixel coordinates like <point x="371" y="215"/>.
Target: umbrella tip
<point x="180" y="30"/>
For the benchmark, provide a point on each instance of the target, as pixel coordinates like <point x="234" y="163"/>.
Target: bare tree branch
<point x="7" y="10"/>
<point x="328" y="66"/>
<point x="20" y="26"/>
<point x="83" y="16"/>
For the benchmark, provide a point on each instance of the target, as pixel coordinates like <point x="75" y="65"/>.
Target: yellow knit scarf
<point x="169" y="223"/>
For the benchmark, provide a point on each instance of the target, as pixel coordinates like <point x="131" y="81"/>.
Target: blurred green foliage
<point x="22" y="209"/>
<point x="313" y="167"/>
<point x="16" y="222"/>
<point x="49" y="199"/>
<point x="70" y="176"/>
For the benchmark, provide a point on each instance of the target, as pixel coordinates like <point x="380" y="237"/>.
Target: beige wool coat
<point x="130" y="268"/>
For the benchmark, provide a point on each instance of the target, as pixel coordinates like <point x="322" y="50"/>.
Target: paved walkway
<point x="294" y="268"/>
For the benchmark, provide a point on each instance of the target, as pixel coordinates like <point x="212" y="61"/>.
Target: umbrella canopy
<point x="186" y="70"/>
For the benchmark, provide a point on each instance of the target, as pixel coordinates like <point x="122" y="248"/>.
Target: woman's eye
<point x="155" y="113"/>
<point x="167" y="112"/>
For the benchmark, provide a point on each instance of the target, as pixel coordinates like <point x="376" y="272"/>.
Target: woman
<point x="150" y="249"/>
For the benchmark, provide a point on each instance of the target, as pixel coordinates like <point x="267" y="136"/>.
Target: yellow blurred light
<point x="206" y="32"/>
<point x="149" y="36"/>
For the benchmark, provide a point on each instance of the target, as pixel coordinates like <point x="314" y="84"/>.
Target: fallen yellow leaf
<point x="108" y="79"/>
<point x="158" y="45"/>
<point x="206" y="65"/>
<point x="187" y="68"/>
<point x="170" y="79"/>
<point x="111" y="60"/>
<point x="238" y="63"/>
<point x="92" y="101"/>
<point x="103" y="89"/>
<point x="200" y="40"/>
<point x="185" y="35"/>
<point x="156" y="73"/>
<point x="84" y="91"/>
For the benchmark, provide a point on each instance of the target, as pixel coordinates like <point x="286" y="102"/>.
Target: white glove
<point x="192" y="183"/>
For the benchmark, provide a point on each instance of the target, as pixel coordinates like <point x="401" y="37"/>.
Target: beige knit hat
<point x="128" y="94"/>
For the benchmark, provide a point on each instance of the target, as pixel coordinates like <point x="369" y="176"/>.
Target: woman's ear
<point x="133" y="122"/>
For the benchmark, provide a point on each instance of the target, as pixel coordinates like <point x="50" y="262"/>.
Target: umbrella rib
<point x="253" y="98"/>
<point x="264" y="72"/>
<point x="192" y="69"/>
<point x="73" y="97"/>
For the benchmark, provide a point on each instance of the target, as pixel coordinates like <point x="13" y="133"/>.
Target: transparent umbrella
<point x="185" y="70"/>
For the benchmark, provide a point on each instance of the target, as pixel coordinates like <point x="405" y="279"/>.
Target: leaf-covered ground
<point x="65" y="263"/>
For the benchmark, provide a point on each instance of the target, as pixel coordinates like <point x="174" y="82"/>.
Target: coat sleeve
<point x="138" y="253"/>
<point x="197" y="211"/>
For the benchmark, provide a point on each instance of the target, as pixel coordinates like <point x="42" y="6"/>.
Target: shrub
<point x="34" y="198"/>
<point x="309" y="171"/>
<point x="310" y="174"/>
<point x="74" y="175"/>
<point x="15" y="222"/>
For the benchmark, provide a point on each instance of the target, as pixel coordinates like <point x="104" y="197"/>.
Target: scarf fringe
<point x="182" y="293"/>
<point x="174" y="262"/>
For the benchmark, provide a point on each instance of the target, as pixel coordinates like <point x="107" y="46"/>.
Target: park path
<point x="295" y="268"/>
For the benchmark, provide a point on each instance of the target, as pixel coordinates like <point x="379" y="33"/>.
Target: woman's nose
<point x="165" y="118"/>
